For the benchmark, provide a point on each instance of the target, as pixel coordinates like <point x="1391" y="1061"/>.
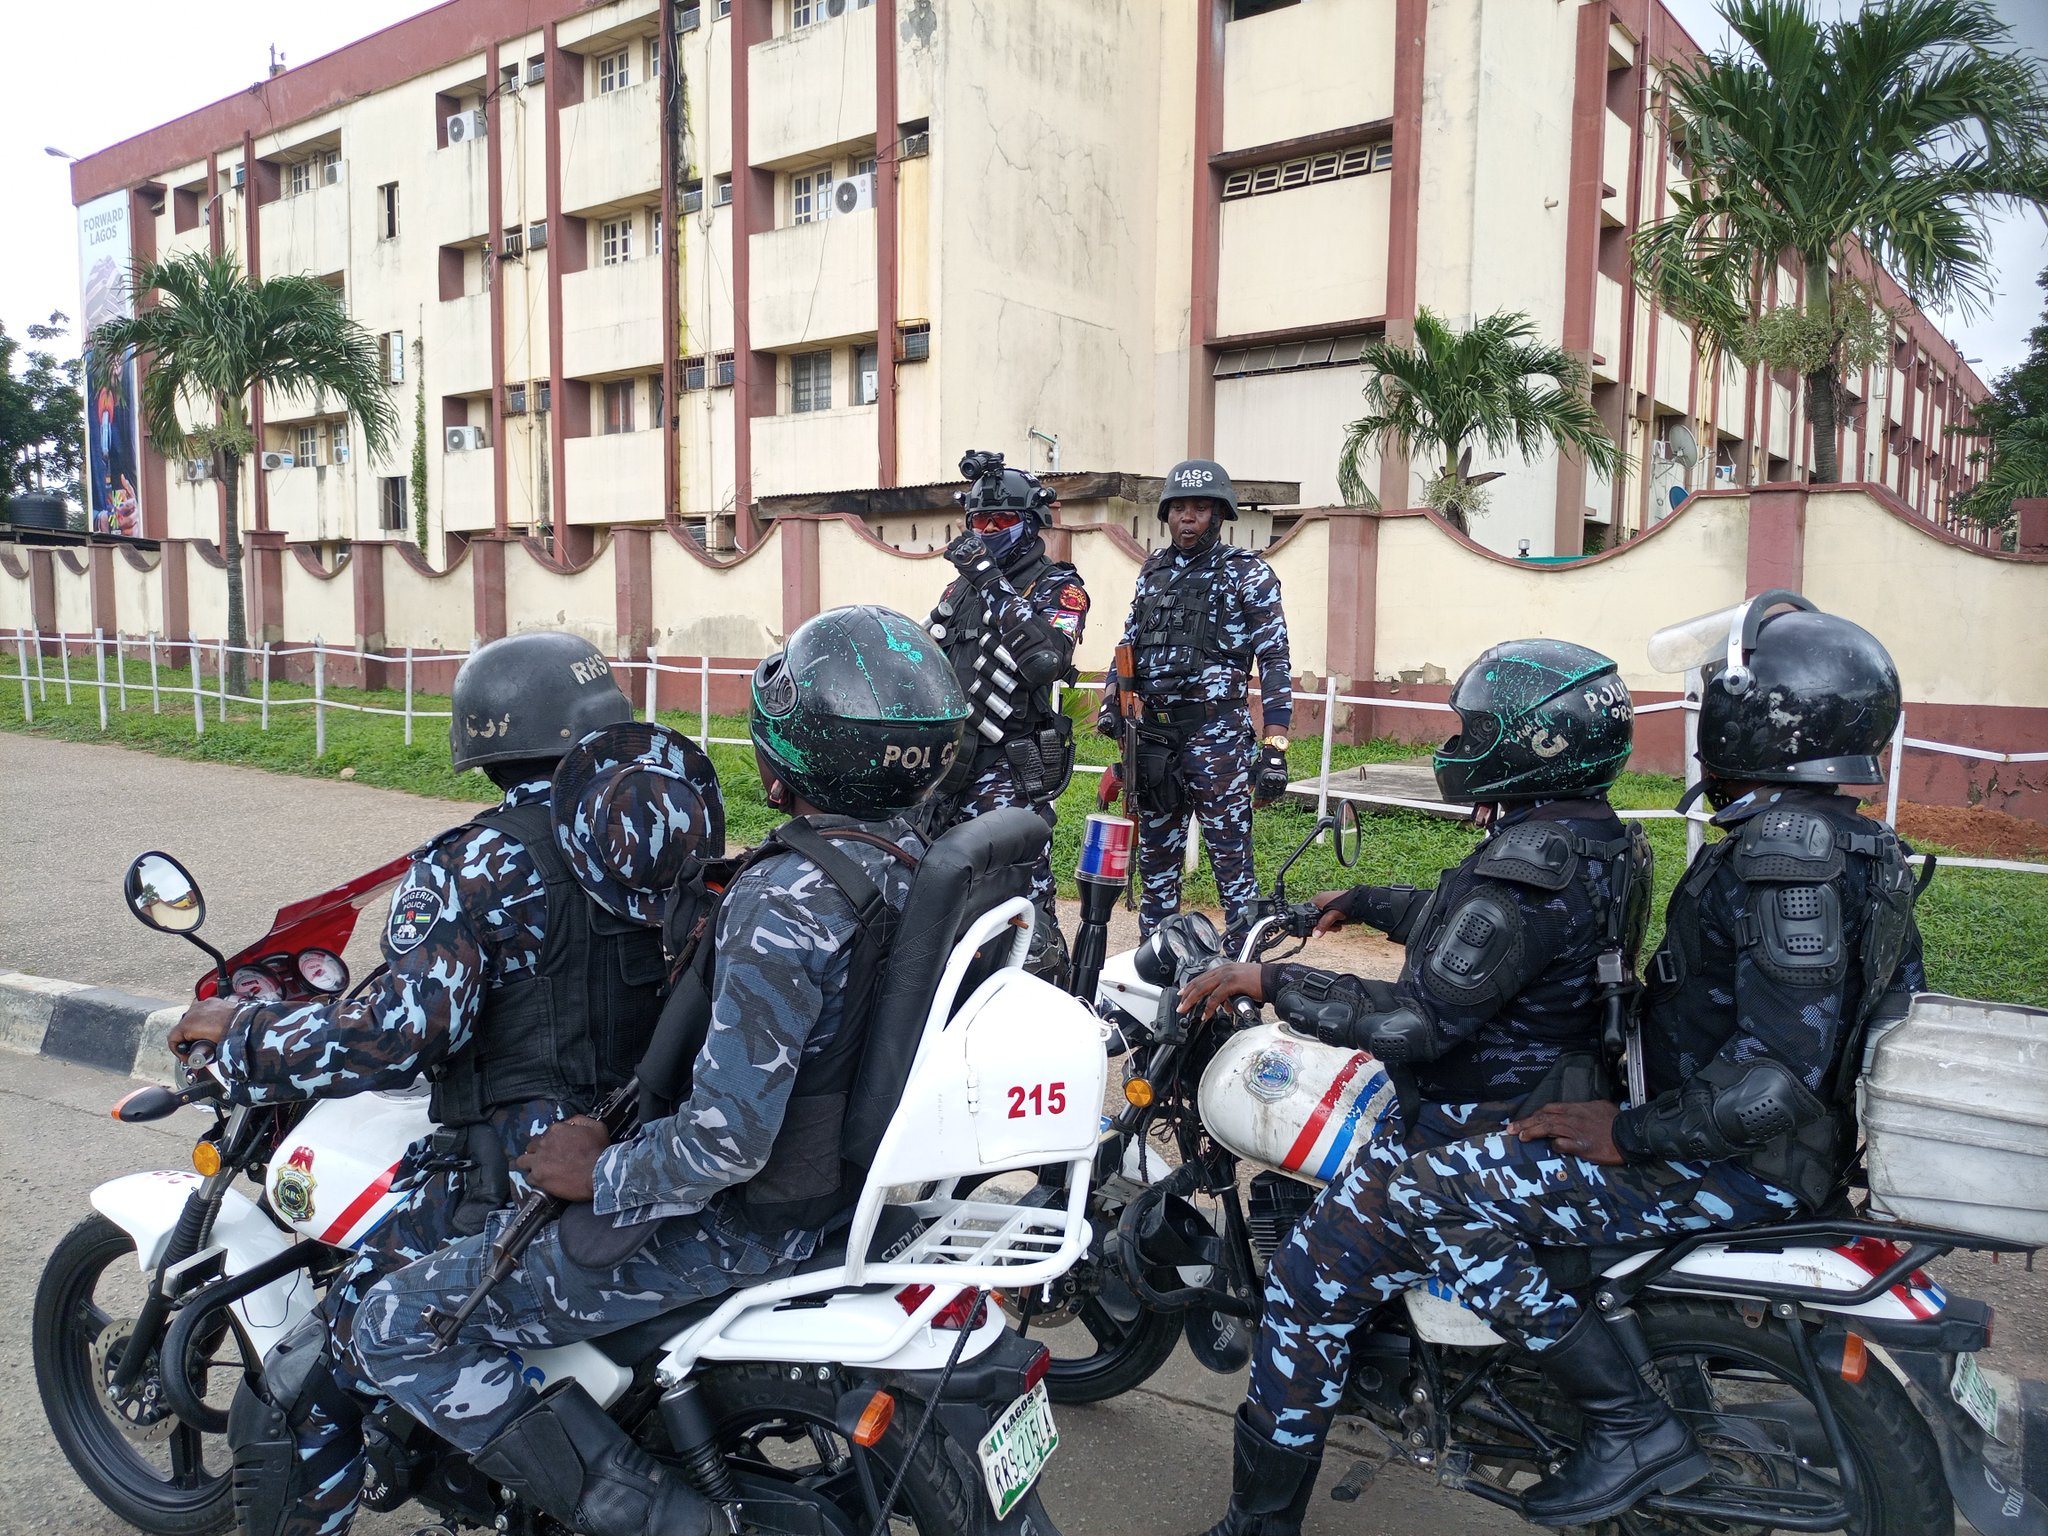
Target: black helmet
<point x="1199" y="477"/>
<point x="994" y="488"/>
<point x="860" y="712"/>
<point x="1536" y="719"/>
<point x="1802" y="697"/>
<point x="531" y="696"/>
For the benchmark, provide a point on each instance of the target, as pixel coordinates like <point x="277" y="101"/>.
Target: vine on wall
<point x="419" y="444"/>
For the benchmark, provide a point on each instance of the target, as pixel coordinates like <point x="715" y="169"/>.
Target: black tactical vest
<point x="1179" y="619"/>
<point x="573" y="1029"/>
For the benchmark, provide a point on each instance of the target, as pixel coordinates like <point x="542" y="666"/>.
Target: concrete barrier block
<point x="26" y="1004"/>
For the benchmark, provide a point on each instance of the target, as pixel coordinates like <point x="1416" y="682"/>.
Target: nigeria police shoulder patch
<point x="414" y="910"/>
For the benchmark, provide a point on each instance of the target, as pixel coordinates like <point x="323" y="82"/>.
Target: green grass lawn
<point x="1986" y="930"/>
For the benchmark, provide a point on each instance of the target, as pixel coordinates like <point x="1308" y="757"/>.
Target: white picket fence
<point x="28" y="649"/>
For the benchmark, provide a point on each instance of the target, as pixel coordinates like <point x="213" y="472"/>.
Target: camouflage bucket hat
<point x="634" y="806"/>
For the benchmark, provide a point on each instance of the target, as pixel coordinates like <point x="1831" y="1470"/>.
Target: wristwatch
<point x="1278" y="741"/>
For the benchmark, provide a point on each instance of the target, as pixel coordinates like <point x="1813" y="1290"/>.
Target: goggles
<point x="997" y="520"/>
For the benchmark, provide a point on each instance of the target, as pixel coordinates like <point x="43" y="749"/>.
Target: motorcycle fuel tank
<point x="1294" y="1104"/>
<point x="331" y="1178"/>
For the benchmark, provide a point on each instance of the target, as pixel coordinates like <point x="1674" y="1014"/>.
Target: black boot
<point x="1630" y="1442"/>
<point x="565" y="1457"/>
<point x="1269" y="1485"/>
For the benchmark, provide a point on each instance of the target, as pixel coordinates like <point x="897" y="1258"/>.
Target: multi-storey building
<point x="707" y="259"/>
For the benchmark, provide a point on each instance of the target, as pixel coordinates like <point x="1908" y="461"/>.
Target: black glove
<point x="971" y="558"/>
<point x="1269" y="779"/>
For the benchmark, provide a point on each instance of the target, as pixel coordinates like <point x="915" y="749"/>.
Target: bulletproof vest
<point x="1853" y="875"/>
<point x="572" y="1029"/>
<point x="1000" y="707"/>
<point x="1179" y="618"/>
<point x="810" y="1176"/>
<point x="1548" y="1016"/>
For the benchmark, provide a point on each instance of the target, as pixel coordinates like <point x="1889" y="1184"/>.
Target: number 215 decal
<point x="1043" y="1099"/>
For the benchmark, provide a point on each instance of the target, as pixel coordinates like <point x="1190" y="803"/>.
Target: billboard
<point x="112" y="447"/>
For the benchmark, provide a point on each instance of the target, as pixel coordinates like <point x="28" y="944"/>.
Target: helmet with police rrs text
<point x="860" y="713"/>
<point x="531" y="696"/>
<point x="1537" y="720"/>
<point x="1199" y="477"/>
<point x="1798" y="697"/>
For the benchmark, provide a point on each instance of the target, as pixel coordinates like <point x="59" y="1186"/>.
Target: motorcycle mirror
<point x="162" y="892"/>
<point x="1349" y="837"/>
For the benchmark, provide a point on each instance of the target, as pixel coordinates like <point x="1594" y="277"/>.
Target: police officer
<point x="1500" y="1005"/>
<point x="852" y="724"/>
<point x="1782" y="942"/>
<point x="507" y="985"/>
<point x="1010" y="624"/>
<point x="1205" y="614"/>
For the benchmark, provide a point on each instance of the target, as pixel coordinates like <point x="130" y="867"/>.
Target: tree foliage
<point x="42" y="414"/>
<point x="1495" y="384"/>
<point x="2010" y="431"/>
<point x="1887" y="135"/>
<point x="208" y="335"/>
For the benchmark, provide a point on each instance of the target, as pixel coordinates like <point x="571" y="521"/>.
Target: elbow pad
<point x="1725" y="1111"/>
<point x="1349" y="1012"/>
<point x="1042" y="652"/>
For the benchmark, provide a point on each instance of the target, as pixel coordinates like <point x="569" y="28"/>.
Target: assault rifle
<point x="1130" y="709"/>
<point x="617" y="1111"/>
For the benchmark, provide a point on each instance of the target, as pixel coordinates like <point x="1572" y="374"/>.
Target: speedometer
<point x="322" y="970"/>
<point x="256" y="985"/>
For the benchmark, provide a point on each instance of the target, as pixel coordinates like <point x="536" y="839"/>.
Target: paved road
<point x="1154" y="1463"/>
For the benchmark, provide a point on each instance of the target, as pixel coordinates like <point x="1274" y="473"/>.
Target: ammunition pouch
<point x="1159" y="789"/>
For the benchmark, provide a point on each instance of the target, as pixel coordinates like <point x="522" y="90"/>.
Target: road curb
<point x="94" y="1026"/>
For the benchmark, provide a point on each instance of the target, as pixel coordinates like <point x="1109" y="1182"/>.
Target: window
<point x="865" y="166"/>
<point x="914" y="341"/>
<point x="693" y="196"/>
<point x="693" y="373"/>
<point x="722" y="376"/>
<point x="653" y="65"/>
<point x="1291" y="357"/>
<point x="656" y="399"/>
<point x="803" y="12"/>
<point x="543" y="393"/>
<point x="301" y="177"/>
<point x="1332" y="165"/>
<point x="867" y="374"/>
<point x="721" y="191"/>
<point x="387" y="211"/>
<point x="618" y="405"/>
<point x="810" y="381"/>
<point x="1241" y="10"/>
<point x="306" y="450"/>
<point x="810" y="195"/>
<point x="615" y="242"/>
<point x="614" y="73"/>
<point x="391" y="503"/>
<point x="654" y="231"/>
<point x="721" y="10"/>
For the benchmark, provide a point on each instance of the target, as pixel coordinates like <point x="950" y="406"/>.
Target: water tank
<point x="36" y="509"/>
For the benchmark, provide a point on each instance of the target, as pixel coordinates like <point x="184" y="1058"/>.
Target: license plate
<point x="1017" y="1449"/>
<point x="1977" y="1397"/>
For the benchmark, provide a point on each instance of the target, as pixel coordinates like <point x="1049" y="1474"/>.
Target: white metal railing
<point x="28" y="646"/>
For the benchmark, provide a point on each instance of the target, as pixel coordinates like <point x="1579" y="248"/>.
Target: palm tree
<point x="208" y="335"/>
<point x="1494" y="384"/>
<point x="1886" y="136"/>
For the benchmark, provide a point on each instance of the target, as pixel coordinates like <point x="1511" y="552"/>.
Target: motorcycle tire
<point x="781" y="1422"/>
<point x="190" y="1501"/>
<point x="1904" y="1491"/>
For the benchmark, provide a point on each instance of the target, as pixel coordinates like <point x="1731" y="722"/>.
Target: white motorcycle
<point x="1832" y="1382"/>
<point x="874" y="1389"/>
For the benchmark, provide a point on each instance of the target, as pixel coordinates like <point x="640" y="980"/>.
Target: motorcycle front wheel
<point x="137" y="1458"/>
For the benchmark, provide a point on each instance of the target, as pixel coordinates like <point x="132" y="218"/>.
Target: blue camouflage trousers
<point x="1214" y="767"/>
<point x="995" y="788"/>
<point x="1464" y="1202"/>
<point x="478" y="1384"/>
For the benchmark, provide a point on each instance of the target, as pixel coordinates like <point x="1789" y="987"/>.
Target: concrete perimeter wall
<point x="1392" y="605"/>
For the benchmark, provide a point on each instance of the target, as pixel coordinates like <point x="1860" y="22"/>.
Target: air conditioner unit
<point x="721" y="192"/>
<point x="464" y="126"/>
<point x="278" y="461"/>
<point x="1724" y="474"/>
<point x="913" y="343"/>
<point x="833" y="7"/>
<point x="854" y="194"/>
<point x="513" y="246"/>
<point x="692" y="19"/>
<point x="1660" y="452"/>
<point x="198" y="469"/>
<point x="341" y="450"/>
<point x="536" y="70"/>
<point x="513" y="80"/>
<point x="515" y="400"/>
<point x="915" y="144"/>
<point x="537" y="236"/>
<point x="241" y="175"/>
<point x="693" y="198"/>
<point x="463" y="439"/>
<point x="543" y="396"/>
<point x="330" y="172"/>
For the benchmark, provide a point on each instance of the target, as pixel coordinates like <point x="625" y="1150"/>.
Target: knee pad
<point x="299" y="1430"/>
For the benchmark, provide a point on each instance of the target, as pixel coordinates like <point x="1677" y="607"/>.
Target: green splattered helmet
<point x="1537" y="719"/>
<point x="860" y="712"/>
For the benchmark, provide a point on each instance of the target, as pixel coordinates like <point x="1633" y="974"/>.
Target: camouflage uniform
<point x="1196" y="698"/>
<point x="1056" y="599"/>
<point x="784" y="944"/>
<point x="470" y="915"/>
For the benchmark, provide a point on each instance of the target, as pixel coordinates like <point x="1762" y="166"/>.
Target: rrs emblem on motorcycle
<point x="293" y="1188"/>
<point x="1270" y="1076"/>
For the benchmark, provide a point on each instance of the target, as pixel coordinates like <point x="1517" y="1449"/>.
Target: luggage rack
<point x="980" y="1235"/>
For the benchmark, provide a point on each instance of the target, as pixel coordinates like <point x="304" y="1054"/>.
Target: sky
<point x="137" y="66"/>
